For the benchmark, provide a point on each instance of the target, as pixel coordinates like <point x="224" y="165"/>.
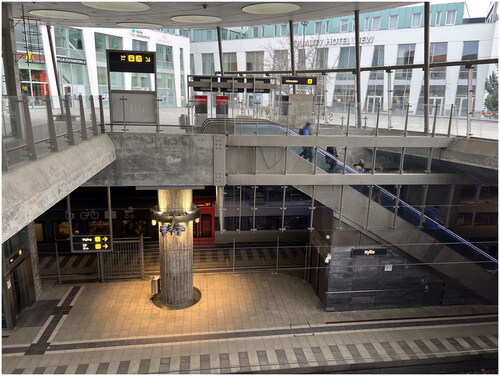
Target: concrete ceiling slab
<point x="230" y="12"/>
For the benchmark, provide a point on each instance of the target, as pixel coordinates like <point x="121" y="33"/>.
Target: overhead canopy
<point x="170" y="15"/>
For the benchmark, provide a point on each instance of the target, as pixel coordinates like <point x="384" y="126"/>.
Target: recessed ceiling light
<point x="139" y="25"/>
<point x="118" y="6"/>
<point x="49" y="13"/>
<point x="194" y="19"/>
<point x="270" y="8"/>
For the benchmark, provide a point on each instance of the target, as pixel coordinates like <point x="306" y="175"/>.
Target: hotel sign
<point x="333" y="41"/>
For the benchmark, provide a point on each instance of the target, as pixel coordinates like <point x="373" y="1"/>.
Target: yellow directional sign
<point x="131" y="58"/>
<point x="89" y="243"/>
<point x="148" y="59"/>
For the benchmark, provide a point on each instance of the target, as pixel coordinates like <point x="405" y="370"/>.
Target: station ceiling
<point x="163" y="14"/>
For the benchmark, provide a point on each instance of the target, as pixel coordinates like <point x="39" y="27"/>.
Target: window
<point x="367" y="23"/>
<point x="347" y="59"/>
<point x="139" y="45"/>
<point x="406" y="55"/>
<point x="416" y="19"/>
<point x="207" y="64"/>
<point x="255" y="32"/>
<point x="69" y="42"/>
<point x="393" y="22"/>
<point x="327" y="26"/>
<point x="295" y="29"/>
<point x="276" y="30"/>
<point x="344" y="26"/>
<point x="377" y="61"/>
<point x="191" y="64"/>
<point x="317" y="27"/>
<point x="229" y="61"/>
<point x="302" y="58"/>
<point x="284" y="30"/>
<point x="438" y="54"/>
<point x="469" y="53"/>
<point x="209" y="34"/>
<point x="376" y="23"/>
<point x="321" y="58"/>
<point x="105" y="42"/>
<point x="164" y="57"/>
<point x="281" y="60"/>
<point x="450" y="17"/>
<point x="255" y="61"/>
<point x="438" y="18"/>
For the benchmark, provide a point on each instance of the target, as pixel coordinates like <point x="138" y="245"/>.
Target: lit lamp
<point x="174" y="221"/>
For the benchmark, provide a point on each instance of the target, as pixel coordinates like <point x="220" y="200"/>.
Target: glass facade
<point x="255" y="60"/>
<point x="207" y="64"/>
<point x="105" y="42"/>
<point x="229" y="61"/>
<point x="140" y="81"/>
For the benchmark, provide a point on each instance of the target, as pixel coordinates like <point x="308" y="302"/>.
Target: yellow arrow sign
<point x="148" y="59"/>
<point x="105" y="239"/>
<point x="105" y="246"/>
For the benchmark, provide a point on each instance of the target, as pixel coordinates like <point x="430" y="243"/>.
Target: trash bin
<point x="155" y="285"/>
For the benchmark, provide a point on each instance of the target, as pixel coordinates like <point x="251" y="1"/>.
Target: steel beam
<point x="347" y="179"/>
<point x="350" y="141"/>
<point x="358" y="69"/>
<point x="427" y="58"/>
<point x="292" y="52"/>
<point x="219" y="42"/>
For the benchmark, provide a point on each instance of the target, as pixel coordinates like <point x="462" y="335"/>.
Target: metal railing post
<point x="234" y="253"/>
<point x="57" y="262"/>
<point x="406" y="120"/>
<point x="69" y="123"/>
<point x="83" y="125"/>
<point x="378" y="117"/>
<point x="93" y="116"/>
<point x="396" y="207"/>
<point x="5" y="162"/>
<point x="389" y="100"/>
<point x="434" y="121"/>
<point x="101" y="115"/>
<point x="30" y="139"/>
<point x="50" y="124"/>
<point x="470" y="90"/>
<point x="424" y="201"/>
<point x="141" y="249"/>
<point x="277" y="253"/>
<point x="449" y="122"/>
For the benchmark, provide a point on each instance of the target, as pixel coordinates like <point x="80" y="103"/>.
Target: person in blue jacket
<point x="307" y="151"/>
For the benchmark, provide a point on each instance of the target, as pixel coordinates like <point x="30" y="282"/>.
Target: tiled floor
<point x="244" y="322"/>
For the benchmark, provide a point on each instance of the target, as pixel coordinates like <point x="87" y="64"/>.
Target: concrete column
<point x="11" y="70"/>
<point x="176" y="252"/>
<point x="35" y="267"/>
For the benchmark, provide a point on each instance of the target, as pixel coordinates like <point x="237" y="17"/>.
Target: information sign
<point x="131" y="61"/>
<point x="369" y="251"/>
<point x="92" y="243"/>
<point x="299" y="80"/>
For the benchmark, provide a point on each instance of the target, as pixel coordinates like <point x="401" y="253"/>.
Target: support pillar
<point x="358" y="69"/>
<point x="33" y="249"/>
<point x="427" y="66"/>
<point x="176" y="251"/>
<point x="11" y="71"/>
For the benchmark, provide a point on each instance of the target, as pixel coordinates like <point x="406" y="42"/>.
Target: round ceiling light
<point x="118" y="6"/>
<point x="139" y="25"/>
<point x="270" y="8"/>
<point x="194" y="19"/>
<point x="49" y="13"/>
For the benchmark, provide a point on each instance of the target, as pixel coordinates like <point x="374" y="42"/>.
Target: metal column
<point x="219" y="42"/>
<point x="427" y="16"/>
<point x="358" y="69"/>
<point x="389" y="99"/>
<point x="470" y="90"/>
<point x="292" y="52"/>
<point x="56" y="76"/>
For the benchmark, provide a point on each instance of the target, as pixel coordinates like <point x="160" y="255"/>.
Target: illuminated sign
<point x="334" y="41"/>
<point x="299" y="80"/>
<point x="131" y="61"/>
<point x="369" y="252"/>
<point x="92" y="243"/>
<point x="71" y="60"/>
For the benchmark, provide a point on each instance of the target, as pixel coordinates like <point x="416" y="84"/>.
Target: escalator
<point x="398" y="223"/>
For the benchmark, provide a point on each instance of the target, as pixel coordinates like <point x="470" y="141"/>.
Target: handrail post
<point x="406" y="120"/>
<point x="378" y="117"/>
<point x="82" y="119"/>
<point x="5" y="162"/>
<point x="30" y="139"/>
<point x="50" y="124"/>
<point x="101" y="115"/>
<point x="449" y="122"/>
<point x="389" y="100"/>
<point x="93" y="116"/>
<point x="69" y="123"/>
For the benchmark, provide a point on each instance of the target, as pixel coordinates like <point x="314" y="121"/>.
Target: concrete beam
<point x="347" y="179"/>
<point x="160" y="160"/>
<point x="341" y="141"/>
<point x="31" y="188"/>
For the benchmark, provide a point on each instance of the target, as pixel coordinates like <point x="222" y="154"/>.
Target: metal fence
<point x="125" y="261"/>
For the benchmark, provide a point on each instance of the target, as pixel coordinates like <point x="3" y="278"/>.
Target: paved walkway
<point x="244" y="322"/>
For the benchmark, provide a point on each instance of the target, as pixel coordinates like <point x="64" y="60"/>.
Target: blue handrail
<point x="405" y="211"/>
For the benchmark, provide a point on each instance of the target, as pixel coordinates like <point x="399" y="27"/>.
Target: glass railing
<point x="384" y="198"/>
<point x="34" y="126"/>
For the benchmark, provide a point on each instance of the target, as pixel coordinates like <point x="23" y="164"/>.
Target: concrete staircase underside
<point x="31" y="188"/>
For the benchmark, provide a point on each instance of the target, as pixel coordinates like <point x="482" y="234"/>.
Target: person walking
<point x="332" y="162"/>
<point x="307" y="130"/>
